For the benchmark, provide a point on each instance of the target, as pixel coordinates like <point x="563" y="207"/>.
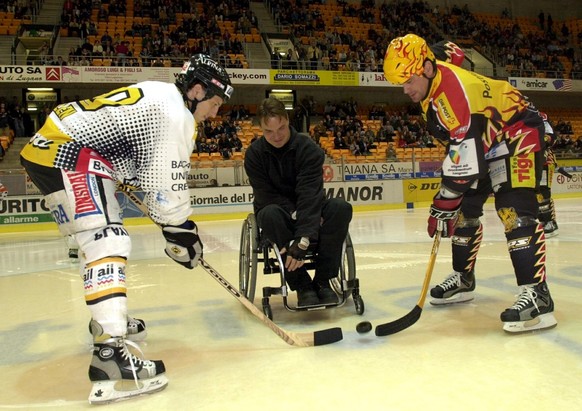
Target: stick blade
<point x="399" y="324"/>
<point x="329" y="336"/>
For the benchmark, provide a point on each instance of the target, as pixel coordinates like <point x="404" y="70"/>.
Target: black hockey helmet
<point x="201" y="69"/>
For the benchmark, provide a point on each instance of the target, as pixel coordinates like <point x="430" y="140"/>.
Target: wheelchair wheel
<point x="248" y="257"/>
<point x="347" y="267"/>
<point x="359" y="304"/>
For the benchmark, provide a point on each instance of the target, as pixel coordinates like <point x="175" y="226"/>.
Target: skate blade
<point x="544" y="321"/>
<point x="455" y="299"/>
<point x="105" y="392"/>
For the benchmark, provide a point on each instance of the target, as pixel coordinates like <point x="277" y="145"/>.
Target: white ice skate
<point x="456" y="288"/>
<point x="532" y="311"/>
<point x="118" y="375"/>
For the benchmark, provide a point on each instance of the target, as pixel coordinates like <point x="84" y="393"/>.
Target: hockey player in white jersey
<point x="141" y="135"/>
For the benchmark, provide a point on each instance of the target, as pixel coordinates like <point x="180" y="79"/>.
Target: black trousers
<point x="277" y="226"/>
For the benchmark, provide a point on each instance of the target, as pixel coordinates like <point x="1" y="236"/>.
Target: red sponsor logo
<point x="53" y="74"/>
<point x="523" y="168"/>
<point x="84" y="203"/>
<point x="327" y="173"/>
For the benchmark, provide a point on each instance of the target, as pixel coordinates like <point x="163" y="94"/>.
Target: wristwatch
<point x="303" y="243"/>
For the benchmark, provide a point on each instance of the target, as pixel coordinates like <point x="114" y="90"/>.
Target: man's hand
<point x="296" y="253"/>
<point x="443" y="215"/>
<point x="183" y="244"/>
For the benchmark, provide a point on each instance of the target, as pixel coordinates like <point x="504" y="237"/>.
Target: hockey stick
<point x="404" y="322"/>
<point x="308" y="339"/>
<point x="564" y="172"/>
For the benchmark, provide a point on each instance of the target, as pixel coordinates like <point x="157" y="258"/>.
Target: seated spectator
<point x="224" y="146"/>
<point x="391" y="153"/>
<point x="59" y="62"/>
<point x="106" y="38"/>
<point x="157" y="62"/>
<point x="239" y="113"/>
<point x="563" y="143"/>
<point x="354" y="148"/>
<point x="363" y="146"/>
<point x="122" y="52"/>
<point x="339" y="142"/>
<point x="145" y="56"/>
<point x="320" y="130"/>
<point x="97" y="49"/>
<point x="236" y="142"/>
<point x="102" y="15"/>
<point x="386" y="133"/>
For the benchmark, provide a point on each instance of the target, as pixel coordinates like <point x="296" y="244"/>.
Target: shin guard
<point x="106" y="294"/>
<point x="527" y="249"/>
<point x="466" y="242"/>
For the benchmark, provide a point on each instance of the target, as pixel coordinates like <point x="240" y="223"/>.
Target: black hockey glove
<point x="183" y="244"/>
<point x="298" y="248"/>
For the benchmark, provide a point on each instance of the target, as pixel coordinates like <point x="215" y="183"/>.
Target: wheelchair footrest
<point x="269" y="291"/>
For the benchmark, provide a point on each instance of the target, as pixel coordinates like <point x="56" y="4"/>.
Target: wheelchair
<point x="254" y="250"/>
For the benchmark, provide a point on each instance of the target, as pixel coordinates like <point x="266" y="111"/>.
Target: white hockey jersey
<point x="144" y="131"/>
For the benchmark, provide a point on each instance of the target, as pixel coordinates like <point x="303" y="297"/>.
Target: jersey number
<point x="125" y="96"/>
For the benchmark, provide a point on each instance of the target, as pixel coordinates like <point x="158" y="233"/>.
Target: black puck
<point x="364" y="327"/>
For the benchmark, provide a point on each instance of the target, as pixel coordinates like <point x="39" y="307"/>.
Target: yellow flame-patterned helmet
<point x="404" y="57"/>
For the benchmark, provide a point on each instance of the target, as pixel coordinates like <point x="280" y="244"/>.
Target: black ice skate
<point x="533" y="310"/>
<point x="117" y="374"/>
<point x="551" y="229"/>
<point x="456" y="288"/>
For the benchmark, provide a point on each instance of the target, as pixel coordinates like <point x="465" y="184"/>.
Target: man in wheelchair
<point x="285" y="170"/>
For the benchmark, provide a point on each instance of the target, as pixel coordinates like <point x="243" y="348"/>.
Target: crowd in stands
<point x="527" y="53"/>
<point x="163" y="42"/>
<point x="19" y="8"/>
<point x="219" y="137"/>
<point x="166" y="42"/>
<point x="401" y="127"/>
<point x="361" y="54"/>
<point x="15" y="117"/>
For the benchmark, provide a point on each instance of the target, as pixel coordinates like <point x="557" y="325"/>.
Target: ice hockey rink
<point x="220" y="357"/>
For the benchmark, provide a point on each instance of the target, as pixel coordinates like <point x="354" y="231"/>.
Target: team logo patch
<point x="460" y="241"/>
<point x="518" y="244"/>
<point x="508" y="217"/>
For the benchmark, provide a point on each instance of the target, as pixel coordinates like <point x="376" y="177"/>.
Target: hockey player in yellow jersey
<point x="495" y="146"/>
<point x="449" y="52"/>
<point x="141" y="135"/>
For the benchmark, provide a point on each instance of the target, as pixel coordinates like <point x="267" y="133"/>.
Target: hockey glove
<point x="296" y="253"/>
<point x="298" y="248"/>
<point x="183" y="244"/>
<point x="443" y="215"/>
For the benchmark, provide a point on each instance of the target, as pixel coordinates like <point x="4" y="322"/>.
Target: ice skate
<point x="456" y="288"/>
<point x="136" y="329"/>
<point x="533" y="310"/>
<point x="74" y="254"/>
<point x="118" y="375"/>
<point x="551" y="229"/>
